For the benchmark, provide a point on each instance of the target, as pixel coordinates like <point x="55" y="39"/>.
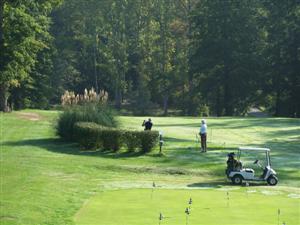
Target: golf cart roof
<point x="254" y="149"/>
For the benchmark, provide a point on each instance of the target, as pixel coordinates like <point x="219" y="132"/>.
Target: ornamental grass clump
<point x="89" y="107"/>
<point x="69" y="98"/>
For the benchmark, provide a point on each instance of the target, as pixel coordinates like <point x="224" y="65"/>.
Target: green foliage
<point x="24" y="32"/>
<point x="111" y="138"/>
<point x="230" y="55"/>
<point x="148" y="140"/>
<point x="203" y="110"/>
<point x="225" y="52"/>
<point x="91" y="136"/>
<point x="87" y="134"/>
<point x="131" y="140"/>
<point x="281" y="79"/>
<point x="99" y="114"/>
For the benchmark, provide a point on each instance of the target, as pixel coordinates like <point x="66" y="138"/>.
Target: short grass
<point x="47" y="181"/>
<point x="209" y="206"/>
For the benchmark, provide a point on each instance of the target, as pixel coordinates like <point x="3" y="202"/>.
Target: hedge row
<point x="91" y="135"/>
<point x="100" y="114"/>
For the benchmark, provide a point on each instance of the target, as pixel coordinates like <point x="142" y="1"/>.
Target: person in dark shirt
<point x="147" y="124"/>
<point x="232" y="163"/>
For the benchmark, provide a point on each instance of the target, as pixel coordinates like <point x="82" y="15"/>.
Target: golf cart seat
<point x="249" y="170"/>
<point x="264" y="173"/>
<point x="238" y="166"/>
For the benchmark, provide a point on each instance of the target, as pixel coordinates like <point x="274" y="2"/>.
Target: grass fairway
<point x="141" y="206"/>
<point x="47" y="181"/>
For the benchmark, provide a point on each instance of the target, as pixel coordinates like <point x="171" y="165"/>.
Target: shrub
<point x="148" y="140"/>
<point x="87" y="134"/>
<point x="203" y="110"/>
<point x="132" y="140"/>
<point x="91" y="136"/>
<point x="111" y="139"/>
<point x="100" y="114"/>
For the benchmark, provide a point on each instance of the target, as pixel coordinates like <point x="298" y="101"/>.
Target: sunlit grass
<point x="208" y="206"/>
<point x="46" y="181"/>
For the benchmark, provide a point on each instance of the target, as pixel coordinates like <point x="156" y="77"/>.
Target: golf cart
<point x="237" y="173"/>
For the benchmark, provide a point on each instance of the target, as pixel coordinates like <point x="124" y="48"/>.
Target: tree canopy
<point x="196" y="57"/>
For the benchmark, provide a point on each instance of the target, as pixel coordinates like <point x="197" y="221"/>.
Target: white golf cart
<point x="237" y="173"/>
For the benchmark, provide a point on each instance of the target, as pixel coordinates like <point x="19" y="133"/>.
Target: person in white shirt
<point x="203" y="135"/>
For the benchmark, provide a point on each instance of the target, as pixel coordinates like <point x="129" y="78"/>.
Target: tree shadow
<point x="242" y="122"/>
<point x="59" y="146"/>
<point x="212" y="184"/>
<point x="284" y="134"/>
<point x="179" y="125"/>
<point x="171" y="139"/>
<point x="221" y="184"/>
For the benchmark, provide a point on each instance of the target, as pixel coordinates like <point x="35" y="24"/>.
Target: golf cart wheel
<point x="237" y="179"/>
<point x="272" y="180"/>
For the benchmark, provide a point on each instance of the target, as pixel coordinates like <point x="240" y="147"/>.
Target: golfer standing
<point x="203" y="135"/>
<point x="147" y="124"/>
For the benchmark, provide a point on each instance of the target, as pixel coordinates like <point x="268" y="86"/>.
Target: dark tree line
<point x="200" y="57"/>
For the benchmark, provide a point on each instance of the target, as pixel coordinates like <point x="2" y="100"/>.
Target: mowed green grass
<point x="209" y="206"/>
<point x="47" y="181"/>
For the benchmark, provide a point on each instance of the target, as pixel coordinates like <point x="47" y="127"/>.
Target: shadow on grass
<point x="212" y="184"/>
<point x="220" y="184"/>
<point x="59" y="146"/>
<point x="242" y="122"/>
<point x="176" y="140"/>
<point x="179" y="125"/>
<point x="239" y="122"/>
<point x="176" y="160"/>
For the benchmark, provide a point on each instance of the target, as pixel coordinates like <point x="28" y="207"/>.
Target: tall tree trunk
<point x="3" y="97"/>
<point x="95" y="64"/>
<point x="295" y="89"/>
<point x="166" y="101"/>
<point x="191" y="106"/>
<point x="1" y="35"/>
<point x="227" y="53"/>
<point x="3" y="85"/>
<point x="277" y="104"/>
<point x="118" y="98"/>
<point x="227" y="93"/>
<point x="218" y="103"/>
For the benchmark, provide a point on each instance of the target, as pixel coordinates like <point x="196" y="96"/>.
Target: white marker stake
<point x="247" y="185"/>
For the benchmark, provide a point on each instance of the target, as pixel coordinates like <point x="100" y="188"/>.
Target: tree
<point x="24" y="32"/>
<point x="225" y="53"/>
<point x="282" y="80"/>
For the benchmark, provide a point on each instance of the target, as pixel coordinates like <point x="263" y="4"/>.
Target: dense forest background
<point x="197" y="57"/>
